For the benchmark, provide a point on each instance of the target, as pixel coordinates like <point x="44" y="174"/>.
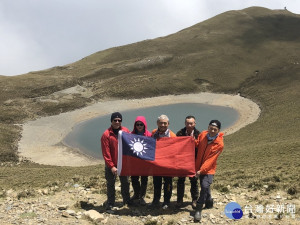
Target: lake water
<point x="86" y="135"/>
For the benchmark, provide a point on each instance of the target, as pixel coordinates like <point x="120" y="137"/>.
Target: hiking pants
<point x="110" y="187"/>
<point x="205" y="182"/>
<point x="157" y="183"/>
<point x="181" y="187"/>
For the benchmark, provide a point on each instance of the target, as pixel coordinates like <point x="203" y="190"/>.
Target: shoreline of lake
<point x="41" y="140"/>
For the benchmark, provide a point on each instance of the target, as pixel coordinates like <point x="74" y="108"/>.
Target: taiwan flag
<point x="145" y="156"/>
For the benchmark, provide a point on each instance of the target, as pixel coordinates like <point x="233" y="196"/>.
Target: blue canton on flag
<point x="138" y="146"/>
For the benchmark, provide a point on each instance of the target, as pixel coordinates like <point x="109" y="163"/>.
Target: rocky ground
<point x="78" y="205"/>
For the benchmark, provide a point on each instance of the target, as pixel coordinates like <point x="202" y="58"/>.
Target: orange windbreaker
<point x="208" y="154"/>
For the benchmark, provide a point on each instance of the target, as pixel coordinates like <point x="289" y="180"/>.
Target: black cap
<point x="115" y="115"/>
<point x="215" y="123"/>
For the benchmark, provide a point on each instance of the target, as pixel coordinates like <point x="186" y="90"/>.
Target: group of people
<point x="208" y="146"/>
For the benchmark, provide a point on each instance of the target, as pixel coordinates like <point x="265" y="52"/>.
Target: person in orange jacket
<point x="162" y="131"/>
<point x="210" y="145"/>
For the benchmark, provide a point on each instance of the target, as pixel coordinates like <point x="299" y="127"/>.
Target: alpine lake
<point x="86" y="135"/>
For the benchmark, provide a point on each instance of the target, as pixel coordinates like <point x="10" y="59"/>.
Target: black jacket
<point x="182" y="132"/>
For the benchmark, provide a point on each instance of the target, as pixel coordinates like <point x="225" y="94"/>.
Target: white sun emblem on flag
<point x="138" y="146"/>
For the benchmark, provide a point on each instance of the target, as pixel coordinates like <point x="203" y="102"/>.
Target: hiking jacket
<point x="171" y="134"/>
<point x="208" y="154"/>
<point x="109" y="145"/>
<point x="182" y="132"/>
<point x="143" y="120"/>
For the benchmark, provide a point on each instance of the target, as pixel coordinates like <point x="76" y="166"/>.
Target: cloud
<point x="36" y="34"/>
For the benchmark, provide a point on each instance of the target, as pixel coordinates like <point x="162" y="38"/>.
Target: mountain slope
<point x="255" y="52"/>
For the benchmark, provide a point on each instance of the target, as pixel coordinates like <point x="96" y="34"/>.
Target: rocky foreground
<point x="76" y="204"/>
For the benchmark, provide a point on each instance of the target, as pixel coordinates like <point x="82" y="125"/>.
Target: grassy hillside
<point x="255" y="52"/>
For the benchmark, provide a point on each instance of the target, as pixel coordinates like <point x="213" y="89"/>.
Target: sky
<point x="40" y="34"/>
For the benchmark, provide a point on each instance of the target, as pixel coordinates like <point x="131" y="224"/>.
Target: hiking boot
<point x="134" y="197"/>
<point x="109" y="206"/>
<point x="197" y="216"/>
<point x="209" y="204"/>
<point x="142" y="201"/>
<point x="179" y="204"/>
<point x="128" y="203"/>
<point x="165" y="205"/>
<point x="155" y="203"/>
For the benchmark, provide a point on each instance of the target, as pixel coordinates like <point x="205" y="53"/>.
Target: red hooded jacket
<point x="208" y="154"/>
<point x="109" y="145"/>
<point x="143" y="120"/>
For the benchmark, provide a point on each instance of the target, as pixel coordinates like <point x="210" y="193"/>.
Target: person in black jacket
<point x="188" y="130"/>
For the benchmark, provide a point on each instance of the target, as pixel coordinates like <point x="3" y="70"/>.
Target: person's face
<point x="139" y="126"/>
<point x="190" y="124"/>
<point x="116" y="123"/>
<point x="162" y="125"/>
<point x="213" y="130"/>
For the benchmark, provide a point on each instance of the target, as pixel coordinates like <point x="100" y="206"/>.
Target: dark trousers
<point x="157" y="183"/>
<point x="110" y="187"/>
<point x="139" y="188"/>
<point x="205" y="182"/>
<point x="181" y="186"/>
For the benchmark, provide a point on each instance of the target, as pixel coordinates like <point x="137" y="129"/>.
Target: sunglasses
<point x="139" y="124"/>
<point x="118" y="121"/>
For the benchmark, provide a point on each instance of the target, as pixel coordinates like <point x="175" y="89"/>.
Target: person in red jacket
<point x="139" y="188"/>
<point x="210" y="145"/>
<point x="109" y="145"/>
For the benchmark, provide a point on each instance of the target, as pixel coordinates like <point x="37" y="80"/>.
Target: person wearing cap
<point x="109" y="145"/>
<point x="210" y="145"/>
<point x="140" y="188"/>
<point x="162" y="131"/>
<point x="188" y="130"/>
